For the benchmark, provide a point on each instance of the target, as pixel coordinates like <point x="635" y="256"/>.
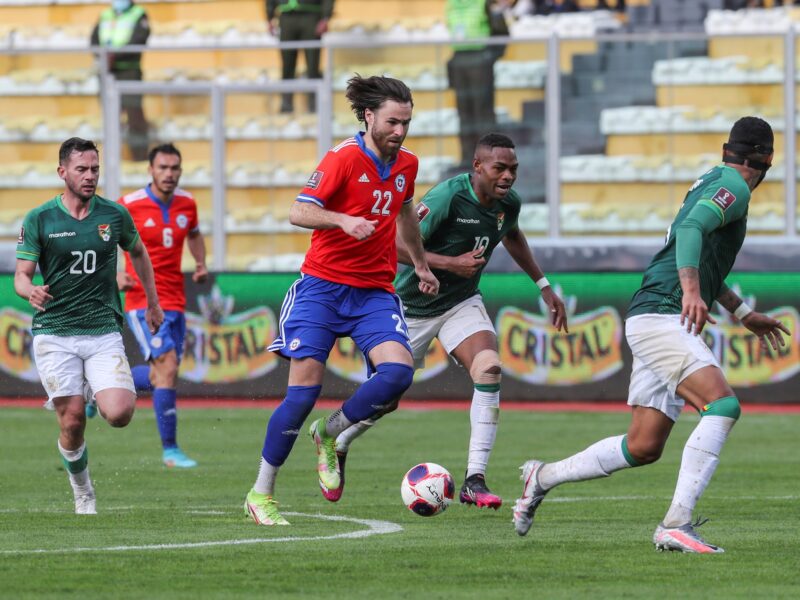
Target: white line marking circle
<point x="374" y="527"/>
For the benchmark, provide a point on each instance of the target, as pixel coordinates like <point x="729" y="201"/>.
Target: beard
<point x="80" y="194"/>
<point x="387" y="148"/>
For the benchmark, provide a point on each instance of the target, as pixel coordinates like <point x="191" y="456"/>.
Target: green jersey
<point x="452" y="222"/>
<point x="78" y="260"/>
<point x="716" y="205"/>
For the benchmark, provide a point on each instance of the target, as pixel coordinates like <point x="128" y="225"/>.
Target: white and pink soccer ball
<point x="427" y="489"/>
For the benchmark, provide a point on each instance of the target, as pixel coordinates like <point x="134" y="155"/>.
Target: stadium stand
<point x="639" y="118"/>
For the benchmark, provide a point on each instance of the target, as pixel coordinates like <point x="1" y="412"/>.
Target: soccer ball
<point x="427" y="489"/>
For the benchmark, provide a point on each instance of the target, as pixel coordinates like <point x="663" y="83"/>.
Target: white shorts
<point x="64" y="362"/>
<point x="664" y="354"/>
<point x="452" y="328"/>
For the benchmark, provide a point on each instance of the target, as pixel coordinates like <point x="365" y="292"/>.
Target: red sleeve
<point x="325" y="181"/>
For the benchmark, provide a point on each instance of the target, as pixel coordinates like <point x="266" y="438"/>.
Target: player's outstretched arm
<point x="769" y="331"/>
<point x="197" y="248"/>
<point x="311" y="216"/>
<point x="23" y="285"/>
<point x="518" y="248"/>
<point x="408" y="233"/>
<point x="144" y="269"/>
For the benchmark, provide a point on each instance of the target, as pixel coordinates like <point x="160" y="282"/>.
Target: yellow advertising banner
<point x="234" y="349"/>
<point x="533" y="351"/>
<point x="15" y="345"/>
<point x="745" y="361"/>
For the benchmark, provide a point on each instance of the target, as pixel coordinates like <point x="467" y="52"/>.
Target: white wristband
<point x="542" y="283"/>
<point x="742" y="311"/>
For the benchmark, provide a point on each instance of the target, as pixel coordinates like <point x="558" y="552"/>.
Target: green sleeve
<point x="729" y="199"/>
<point x="434" y="209"/>
<point x="29" y="245"/>
<point x="129" y="235"/>
<point x="700" y="221"/>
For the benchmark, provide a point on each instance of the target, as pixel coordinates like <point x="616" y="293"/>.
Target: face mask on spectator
<point x="120" y="6"/>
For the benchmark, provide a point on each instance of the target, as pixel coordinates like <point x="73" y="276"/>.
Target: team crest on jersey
<point x="315" y="180"/>
<point x="723" y="198"/>
<point x="182" y="221"/>
<point x="21" y="236"/>
<point x="105" y="232"/>
<point x="422" y="211"/>
<point x="501" y="218"/>
<point x="295" y="344"/>
<point x="400" y="182"/>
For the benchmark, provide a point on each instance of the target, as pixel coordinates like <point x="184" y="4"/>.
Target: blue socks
<point x="166" y="416"/>
<point x="285" y="423"/>
<point x="379" y="391"/>
<point x="141" y="378"/>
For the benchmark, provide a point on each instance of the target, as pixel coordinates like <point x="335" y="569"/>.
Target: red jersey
<point x="163" y="228"/>
<point x="352" y="180"/>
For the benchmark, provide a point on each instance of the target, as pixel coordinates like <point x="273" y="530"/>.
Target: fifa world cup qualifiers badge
<point x="315" y="179"/>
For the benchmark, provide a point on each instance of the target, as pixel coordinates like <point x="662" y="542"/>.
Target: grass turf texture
<point x="589" y="540"/>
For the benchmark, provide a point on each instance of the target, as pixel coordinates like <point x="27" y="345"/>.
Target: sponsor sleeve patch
<point x="21" y="236"/>
<point x="422" y="211"/>
<point x="315" y="180"/>
<point x="723" y="198"/>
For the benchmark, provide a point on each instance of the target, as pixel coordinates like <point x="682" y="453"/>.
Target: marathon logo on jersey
<point x="501" y="218"/>
<point x="400" y="182"/>
<point x="21" y="236"/>
<point x="182" y="221"/>
<point x="422" y="211"/>
<point x="104" y="231"/>
<point x="723" y="198"/>
<point x="315" y="180"/>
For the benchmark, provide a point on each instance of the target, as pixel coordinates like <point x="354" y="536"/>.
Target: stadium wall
<point x="232" y="319"/>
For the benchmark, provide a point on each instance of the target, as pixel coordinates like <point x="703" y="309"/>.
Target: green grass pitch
<point x="590" y="540"/>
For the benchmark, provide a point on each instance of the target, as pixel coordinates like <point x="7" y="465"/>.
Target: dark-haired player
<point x="166" y="217"/>
<point x="672" y="364"/>
<point x="357" y="201"/>
<point x="462" y="220"/>
<point x="78" y="321"/>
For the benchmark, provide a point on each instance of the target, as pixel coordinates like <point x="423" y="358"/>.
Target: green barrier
<point x="233" y="318"/>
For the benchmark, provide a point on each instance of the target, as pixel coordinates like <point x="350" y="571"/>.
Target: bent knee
<point x="397" y="376"/>
<point x="645" y="455"/>
<point x="486" y="368"/>
<point x="120" y="418"/>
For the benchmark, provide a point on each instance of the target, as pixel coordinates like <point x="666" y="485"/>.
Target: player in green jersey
<point x="672" y="364"/>
<point x="78" y="321"/>
<point x="462" y="220"/>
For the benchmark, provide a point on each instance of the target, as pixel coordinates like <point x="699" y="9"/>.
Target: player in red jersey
<point x="357" y="201"/>
<point x="165" y="216"/>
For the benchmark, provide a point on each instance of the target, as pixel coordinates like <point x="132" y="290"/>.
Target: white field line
<point x="222" y="510"/>
<point x="373" y="528"/>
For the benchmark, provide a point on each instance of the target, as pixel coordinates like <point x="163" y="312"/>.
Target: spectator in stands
<point x="125" y="23"/>
<point x="470" y="71"/>
<point x="548" y="7"/>
<point x="298" y="21"/>
<point x="606" y="5"/>
<point x="742" y="4"/>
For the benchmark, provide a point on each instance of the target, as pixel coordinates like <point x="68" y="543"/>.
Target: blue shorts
<point x="316" y="312"/>
<point x="168" y="337"/>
